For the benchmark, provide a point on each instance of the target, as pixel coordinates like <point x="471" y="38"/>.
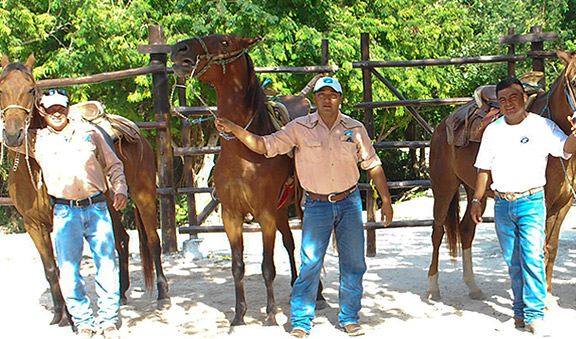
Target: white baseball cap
<point x="54" y="97"/>
<point x="328" y="82"/>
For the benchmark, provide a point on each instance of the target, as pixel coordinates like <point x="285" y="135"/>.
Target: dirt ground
<point x="394" y="303"/>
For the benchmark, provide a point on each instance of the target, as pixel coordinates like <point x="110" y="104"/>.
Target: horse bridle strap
<point x="219" y="59"/>
<point x="568" y="90"/>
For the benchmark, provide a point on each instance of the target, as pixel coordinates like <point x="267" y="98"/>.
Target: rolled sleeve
<point x="280" y="142"/>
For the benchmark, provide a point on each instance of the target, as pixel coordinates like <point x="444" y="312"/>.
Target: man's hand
<point x="120" y="201"/>
<point x="224" y="125"/>
<point x="387" y="213"/>
<point x="476" y="211"/>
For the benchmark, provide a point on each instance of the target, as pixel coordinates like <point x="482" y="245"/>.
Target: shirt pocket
<point x="312" y="151"/>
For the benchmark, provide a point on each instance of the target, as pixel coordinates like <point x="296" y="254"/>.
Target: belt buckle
<point x="509" y="196"/>
<point x="330" y="196"/>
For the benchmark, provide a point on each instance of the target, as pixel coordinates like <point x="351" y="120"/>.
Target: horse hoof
<point x="270" y="320"/>
<point x="477" y="295"/>
<point x="321" y="304"/>
<point x="123" y="301"/>
<point x="163" y="303"/>
<point x="237" y="322"/>
<point x="434" y="295"/>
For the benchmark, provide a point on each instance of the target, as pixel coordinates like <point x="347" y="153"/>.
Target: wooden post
<point x="538" y="62"/>
<point x="188" y="170"/>
<point x="369" y="123"/>
<point x="163" y="144"/>
<point x="511" y="52"/>
<point x="325" y="52"/>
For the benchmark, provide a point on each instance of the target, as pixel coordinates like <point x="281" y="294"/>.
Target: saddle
<point x="115" y="126"/>
<point x="282" y="109"/>
<point x="468" y="122"/>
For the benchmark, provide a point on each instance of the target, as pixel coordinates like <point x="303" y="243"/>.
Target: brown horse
<point x="18" y="100"/>
<point x="452" y="166"/>
<point x="245" y="182"/>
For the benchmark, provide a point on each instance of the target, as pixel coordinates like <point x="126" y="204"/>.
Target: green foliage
<point x="72" y="38"/>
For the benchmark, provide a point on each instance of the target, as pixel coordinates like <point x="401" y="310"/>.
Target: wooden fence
<point x="159" y="51"/>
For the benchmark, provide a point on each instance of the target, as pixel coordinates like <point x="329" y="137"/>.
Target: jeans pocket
<point x="61" y="211"/>
<point x="101" y="206"/>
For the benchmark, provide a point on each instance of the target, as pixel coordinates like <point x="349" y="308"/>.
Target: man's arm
<point x="252" y="141"/>
<point x="379" y="179"/>
<point x="481" y="185"/>
<point x="114" y="169"/>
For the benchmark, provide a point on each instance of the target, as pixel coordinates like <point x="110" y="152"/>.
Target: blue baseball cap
<point x="328" y="82"/>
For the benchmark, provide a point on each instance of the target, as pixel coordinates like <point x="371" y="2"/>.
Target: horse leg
<point x="553" y="224"/>
<point x="268" y="225"/>
<point x="443" y="205"/>
<point x="233" y="227"/>
<point x="467" y="232"/>
<point x="122" y="239"/>
<point x="40" y="235"/>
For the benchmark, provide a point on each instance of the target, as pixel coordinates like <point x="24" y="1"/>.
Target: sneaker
<point x="111" y="333"/>
<point x="85" y="333"/>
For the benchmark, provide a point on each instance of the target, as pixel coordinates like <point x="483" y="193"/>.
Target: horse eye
<point x="225" y="43"/>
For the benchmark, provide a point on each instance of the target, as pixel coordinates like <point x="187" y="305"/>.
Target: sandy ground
<point x="394" y="303"/>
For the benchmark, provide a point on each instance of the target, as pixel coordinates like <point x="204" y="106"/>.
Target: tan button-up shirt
<point x="76" y="161"/>
<point x="326" y="159"/>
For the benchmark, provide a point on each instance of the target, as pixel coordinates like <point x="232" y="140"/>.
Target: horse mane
<point x="256" y="98"/>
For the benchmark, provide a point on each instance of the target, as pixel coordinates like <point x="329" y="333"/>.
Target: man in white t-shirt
<point x="513" y="154"/>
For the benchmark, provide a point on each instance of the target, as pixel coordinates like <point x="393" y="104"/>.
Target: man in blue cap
<point x="328" y="147"/>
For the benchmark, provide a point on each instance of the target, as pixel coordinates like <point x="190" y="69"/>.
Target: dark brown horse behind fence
<point x="245" y="182"/>
<point x="18" y="100"/>
<point x="452" y="166"/>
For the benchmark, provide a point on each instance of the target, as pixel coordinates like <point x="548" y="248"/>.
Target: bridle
<point x="215" y="59"/>
<point x="27" y="121"/>
<point x="211" y="59"/>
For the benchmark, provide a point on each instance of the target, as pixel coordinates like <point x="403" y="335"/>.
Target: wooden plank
<point x="150" y="124"/>
<point x="296" y="69"/>
<point x="155" y="49"/>
<point x="195" y="110"/>
<point x="6" y="201"/>
<point x="161" y="97"/>
<point x="102" y="77"/>
<point x="402" y="144"/>
<point x="295" y="224"/>
<point x="525" y="38"/>
<point x="421" y="102"/>
<point x="181" y="151"/>
<point x="440" y="62"/>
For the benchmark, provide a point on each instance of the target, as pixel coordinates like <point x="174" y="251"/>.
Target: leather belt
<point x="82" y="202"/>
<point x="513" y="196"/>
<point x="333" y="197"/>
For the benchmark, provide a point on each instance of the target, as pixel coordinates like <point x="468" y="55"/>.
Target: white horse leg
<point x="433" y="288"/>
<point x="468" y="275"/>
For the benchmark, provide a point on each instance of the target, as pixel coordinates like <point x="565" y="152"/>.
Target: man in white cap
<point x="75" y="160"/>
<point x="328" y="146"/>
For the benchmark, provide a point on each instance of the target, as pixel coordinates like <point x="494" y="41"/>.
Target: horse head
<point x="195" y="57"/>
<point x="560" y="101"/>
<point x="18" y="96"/>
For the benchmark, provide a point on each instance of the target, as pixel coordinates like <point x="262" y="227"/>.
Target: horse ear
<point x="564" y="57"/>
<point x="249" y="42"/>
<point x="30" y="62"/>
<point x="5" y="60"/>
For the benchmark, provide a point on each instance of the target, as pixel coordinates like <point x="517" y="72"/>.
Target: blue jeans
<point x="71" y="226"/>
<point x="320" y="218"/>
<point x="520" y="229"/>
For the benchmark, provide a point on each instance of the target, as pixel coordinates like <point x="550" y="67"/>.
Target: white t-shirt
<point x="517" y="155"/>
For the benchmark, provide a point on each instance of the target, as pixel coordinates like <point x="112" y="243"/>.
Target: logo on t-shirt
<point x="524" y="140"/>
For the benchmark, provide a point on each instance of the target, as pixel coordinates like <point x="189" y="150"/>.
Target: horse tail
<point x="145" y="253"/>
<point x="452" y="225"/>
